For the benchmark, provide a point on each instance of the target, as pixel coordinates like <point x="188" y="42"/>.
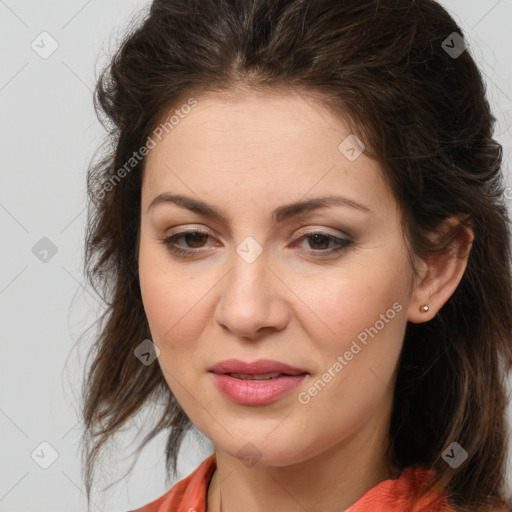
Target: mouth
<point x="261" y="369"/>
<point x="261" y="376"/>
<point x="256" y="383"/>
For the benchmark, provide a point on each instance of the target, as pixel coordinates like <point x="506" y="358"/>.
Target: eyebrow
<point x="280" y="214"/>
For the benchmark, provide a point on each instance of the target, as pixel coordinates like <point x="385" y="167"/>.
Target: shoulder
<point x="188" y="493"/>
<point x="401" y="494"/>
<point x="411" y="481"/>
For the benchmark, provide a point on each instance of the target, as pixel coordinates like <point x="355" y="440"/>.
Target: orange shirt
<point x="189" y="494"/>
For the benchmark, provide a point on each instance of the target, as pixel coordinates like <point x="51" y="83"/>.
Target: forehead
<point x="257" y="144"/>
<point x="243" y="120"/>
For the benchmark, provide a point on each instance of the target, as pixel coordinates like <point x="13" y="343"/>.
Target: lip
<point x="254" y="367"/>
<point x="256" y="392"/>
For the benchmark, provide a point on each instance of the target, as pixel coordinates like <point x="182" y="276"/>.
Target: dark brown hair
<point x="422" y="113"/>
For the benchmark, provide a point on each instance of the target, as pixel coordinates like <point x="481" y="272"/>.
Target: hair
<point x="422" y="114"/>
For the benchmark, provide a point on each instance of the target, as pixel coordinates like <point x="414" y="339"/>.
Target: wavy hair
<point x="422" y="113"/>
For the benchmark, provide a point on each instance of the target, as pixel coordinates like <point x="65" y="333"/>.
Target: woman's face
<point x="323" y="288"/>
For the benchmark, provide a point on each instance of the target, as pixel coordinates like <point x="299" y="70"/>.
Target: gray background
<point x="48" y="136"/>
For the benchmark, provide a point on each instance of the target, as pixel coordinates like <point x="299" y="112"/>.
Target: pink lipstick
<point x="258" y="382"/>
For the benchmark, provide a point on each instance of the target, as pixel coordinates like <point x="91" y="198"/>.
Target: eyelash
<point x="342" y="244"/>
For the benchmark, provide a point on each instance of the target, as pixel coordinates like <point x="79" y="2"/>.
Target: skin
<point x="246" y="154"/>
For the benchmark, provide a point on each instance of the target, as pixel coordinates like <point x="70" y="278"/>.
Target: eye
<point x="196" y="239"/>
<point x="322" y="240"/>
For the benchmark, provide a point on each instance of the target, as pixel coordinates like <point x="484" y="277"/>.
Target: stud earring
<point x="424" y="308"/>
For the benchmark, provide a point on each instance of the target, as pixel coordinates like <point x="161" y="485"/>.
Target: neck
<point x="331" y="480"/>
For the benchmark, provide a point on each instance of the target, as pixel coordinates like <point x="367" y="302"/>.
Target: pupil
<point x="316" y="237"/>
<point x="195" y="236"/>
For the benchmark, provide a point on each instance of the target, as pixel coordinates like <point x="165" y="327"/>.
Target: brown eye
<point x="320" y="242"/>
<point x="194" y="241"/>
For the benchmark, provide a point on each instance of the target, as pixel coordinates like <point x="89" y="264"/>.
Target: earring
<point x="424" y="308"/>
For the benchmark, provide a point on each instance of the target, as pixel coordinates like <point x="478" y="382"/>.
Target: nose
<point x="253" y="299"/>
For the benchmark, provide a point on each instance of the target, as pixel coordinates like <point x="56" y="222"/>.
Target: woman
<point x="301" y="232"/>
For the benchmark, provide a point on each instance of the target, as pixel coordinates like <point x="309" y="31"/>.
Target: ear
<point x="440" y="274"/>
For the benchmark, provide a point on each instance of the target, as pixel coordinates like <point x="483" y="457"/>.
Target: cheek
<point x="178" y="306"/>
<point x="349" y="304"/>
<point x="363" y="315"/>
<point x="168" y="296"/>
<point x="176" y="316"/>
<point x="358" y="351"/>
